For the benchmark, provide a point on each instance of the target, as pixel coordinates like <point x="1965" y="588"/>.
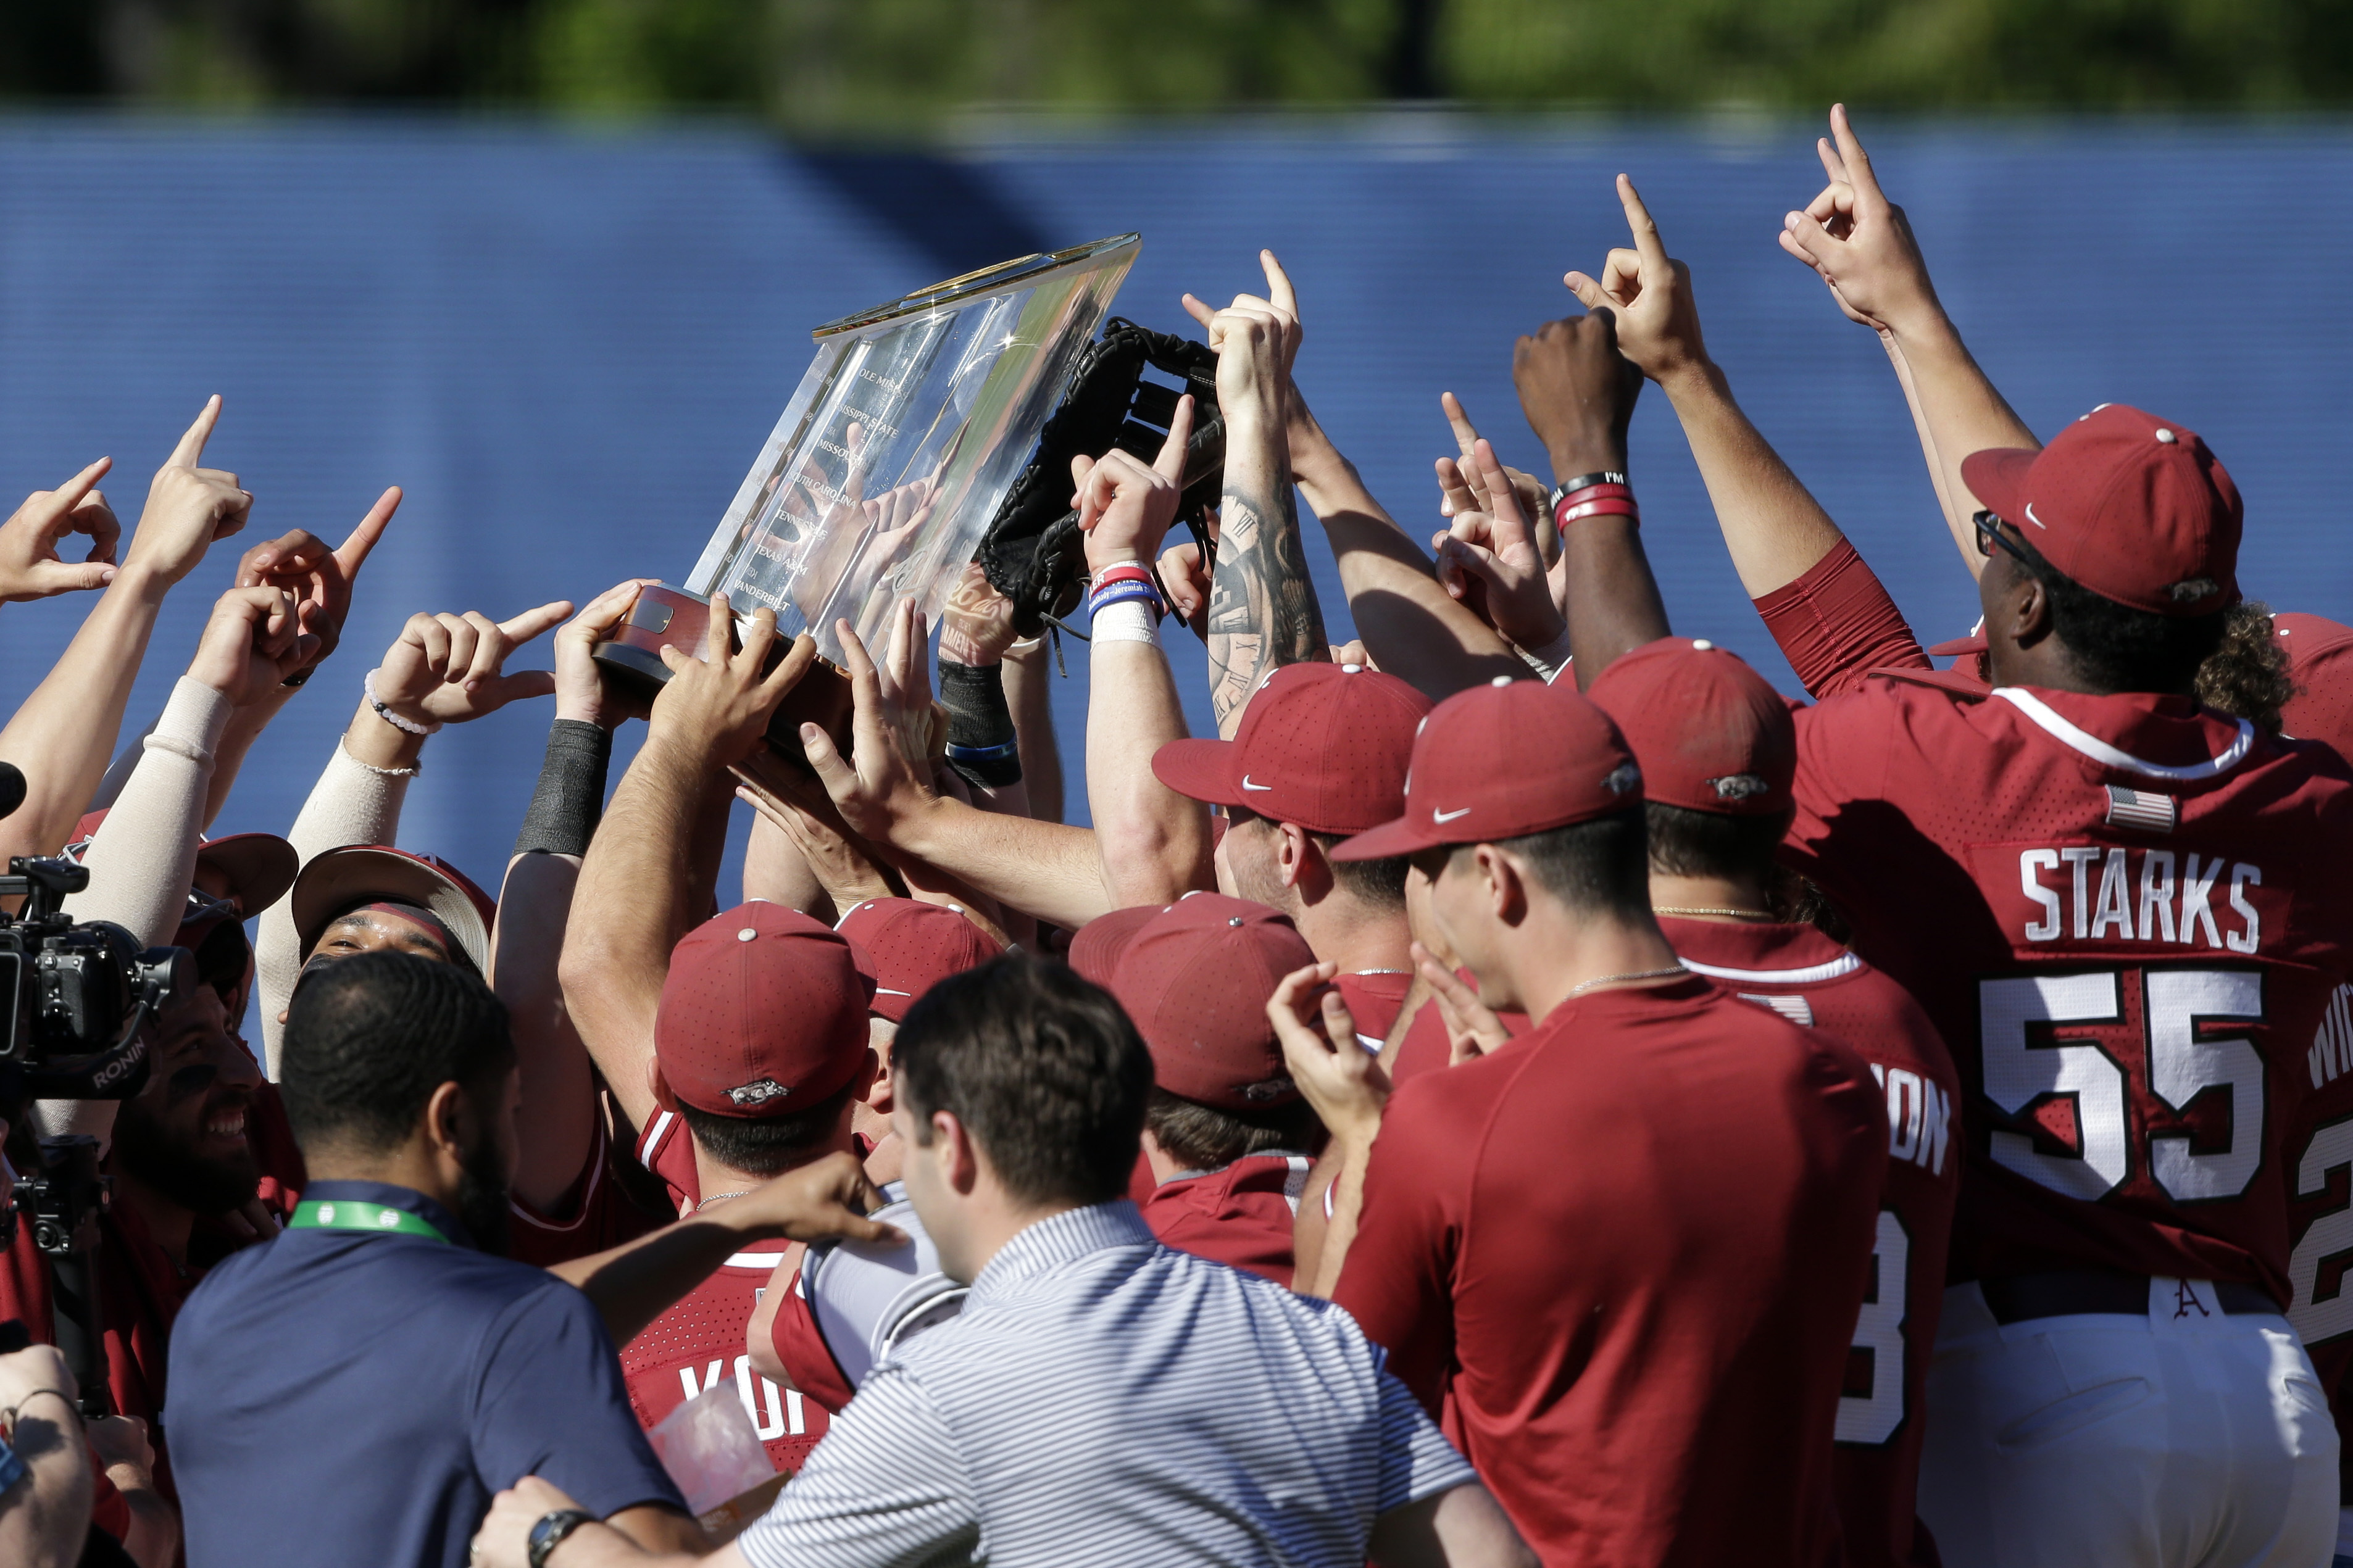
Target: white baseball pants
<point x="2190" y="1438"/>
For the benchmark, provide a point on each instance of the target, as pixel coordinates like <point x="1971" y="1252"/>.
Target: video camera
<point x="78" y="1002"/>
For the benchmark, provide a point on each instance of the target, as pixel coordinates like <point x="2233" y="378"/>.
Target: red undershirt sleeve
<point x="1836" y="623"/>
<point x="1399" y="1281"/>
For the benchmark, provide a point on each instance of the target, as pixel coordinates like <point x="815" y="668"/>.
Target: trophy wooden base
<point x="664" y="615"/>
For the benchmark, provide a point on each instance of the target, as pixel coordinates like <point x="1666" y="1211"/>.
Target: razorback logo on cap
<point x="1623" y="777"/>
<point x="1737" y="786"/>
<point x="759" y="1091"/>
<point x="1272" y="1089"/>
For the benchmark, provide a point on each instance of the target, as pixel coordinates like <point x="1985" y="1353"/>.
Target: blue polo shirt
<point x="340" y="1397"/>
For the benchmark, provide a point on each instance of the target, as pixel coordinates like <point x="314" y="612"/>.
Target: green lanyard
<point x="349" y="1215"/>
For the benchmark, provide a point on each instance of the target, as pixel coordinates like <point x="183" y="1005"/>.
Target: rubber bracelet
<point x="996" y="753"/>
<point x="1125" y="594"/>
<point x="1599" y="477"/>
<point x="1595" y="492"/>
<point x="1613" y="507"/>
<point x="1121" y="571"/>
<point x="410" y="726"/>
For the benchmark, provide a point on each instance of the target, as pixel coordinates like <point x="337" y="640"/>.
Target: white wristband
<point x="1550" y="660"/>
<point x="1130" y="620"/>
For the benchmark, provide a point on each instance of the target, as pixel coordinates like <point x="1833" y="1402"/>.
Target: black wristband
<point x="570" y="799"/>
<point x="1587" y="481"/>
<point x="974" y="695"/>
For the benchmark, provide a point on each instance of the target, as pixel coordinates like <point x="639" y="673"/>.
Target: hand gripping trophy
<point x="885" y="469"/>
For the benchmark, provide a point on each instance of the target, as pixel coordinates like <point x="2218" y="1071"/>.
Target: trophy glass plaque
<point x="885" y="469"/>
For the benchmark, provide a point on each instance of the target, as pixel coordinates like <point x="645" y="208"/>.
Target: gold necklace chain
<point x="1615" y="979"/>
<point x="1737" y="914"/>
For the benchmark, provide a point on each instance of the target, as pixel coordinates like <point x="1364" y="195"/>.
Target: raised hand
<point x="188" y="507"/>
<point x="1345" y="1082"/>
<point x="448" y="669"/>
<point x="916" y="717"/>
<point x="252" y="643"/>
<point x="580" y="690"/>
<point x="1858" y="241"/>
<point x="1650" y="294"/>
<point x="1490" y="561"/>
<point x="30" y="566"/>
<point x="878" y="788"/>
<point x="1578" y="393"/>
<point x="320" y="577"/>
<point x="840" y="865"/>
<point x="1255" y="339"/>
<point x="715" y="708"/>
<point x="1124" y="507"/>
<point x="1473" y="1029"/>
<point x="1461" y="487"/>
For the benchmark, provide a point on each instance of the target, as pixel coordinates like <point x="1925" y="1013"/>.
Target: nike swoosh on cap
<point x="1247" y="785"/>
<point x="2034" y="519"/>
<point x="1437" y="815"/>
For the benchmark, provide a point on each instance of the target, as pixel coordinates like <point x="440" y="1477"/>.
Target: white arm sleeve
<point x="350" y="804"/>
<point x="145" y="855"/>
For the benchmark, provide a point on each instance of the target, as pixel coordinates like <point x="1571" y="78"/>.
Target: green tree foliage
<point x="870" y="66"/>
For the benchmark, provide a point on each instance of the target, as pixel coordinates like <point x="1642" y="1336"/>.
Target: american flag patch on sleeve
<point x="2142" y="809"/>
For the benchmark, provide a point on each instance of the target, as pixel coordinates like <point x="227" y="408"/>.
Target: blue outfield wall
<point x="568" y="343"/>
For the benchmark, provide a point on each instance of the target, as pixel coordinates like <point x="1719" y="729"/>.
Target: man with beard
<point x="191" y="1154"/>
<point x="409" y="1372"/>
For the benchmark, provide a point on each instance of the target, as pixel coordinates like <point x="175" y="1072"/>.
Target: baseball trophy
<point x="884" y="470"/>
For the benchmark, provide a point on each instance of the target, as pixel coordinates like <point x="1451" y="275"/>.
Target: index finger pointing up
<point x="1647" y="243"/>
<point x="1857" y="161"/>
<point x="192" y="445"/>
<point x="1170" y="464"/>
<point x="1279" y="292"/>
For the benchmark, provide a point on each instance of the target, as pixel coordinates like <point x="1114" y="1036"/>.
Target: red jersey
<point x="2125" y="915"/>
<point x="667" y="1149"/>
<point x="1631" y="1245"/>
<point x="598" y="1214"/>
<point x="808" y="1359"/>
<point x="701" y="1341"/>
<point x="1374" y="997"/>
<point x="1240" y="1214"/>
<point x="1810" y="980"/>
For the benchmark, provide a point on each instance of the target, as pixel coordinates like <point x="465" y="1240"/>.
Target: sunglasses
<point x="1989" y="536"/>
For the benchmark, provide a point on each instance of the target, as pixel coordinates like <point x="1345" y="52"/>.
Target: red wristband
<point x="1123" y="571"/>
<point x="1594" y="493"/>
<point x="1608" y="506"/>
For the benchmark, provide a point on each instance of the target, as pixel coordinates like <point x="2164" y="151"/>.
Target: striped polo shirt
<point x="1105" y="1399"/>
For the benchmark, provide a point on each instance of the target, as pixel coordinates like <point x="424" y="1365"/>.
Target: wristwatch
<point x="550" y="1532"/>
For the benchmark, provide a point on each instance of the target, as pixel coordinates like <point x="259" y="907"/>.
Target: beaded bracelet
<point x="410" y="726"/>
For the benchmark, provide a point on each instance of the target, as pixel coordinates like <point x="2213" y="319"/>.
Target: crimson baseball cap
<point x="336" y="881"/>
<point x="2130" y="506"/>
<point x="911" y="946"/>
<point x="1323" y="745"/>
<point x="2320" y="661"/>
<point x="1708" y="733"/>
<point x="1503" y="759"/>
<point x="1196" y="978"/>
<point x="257" y="866"/>
<point x="763" y="1013"/>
